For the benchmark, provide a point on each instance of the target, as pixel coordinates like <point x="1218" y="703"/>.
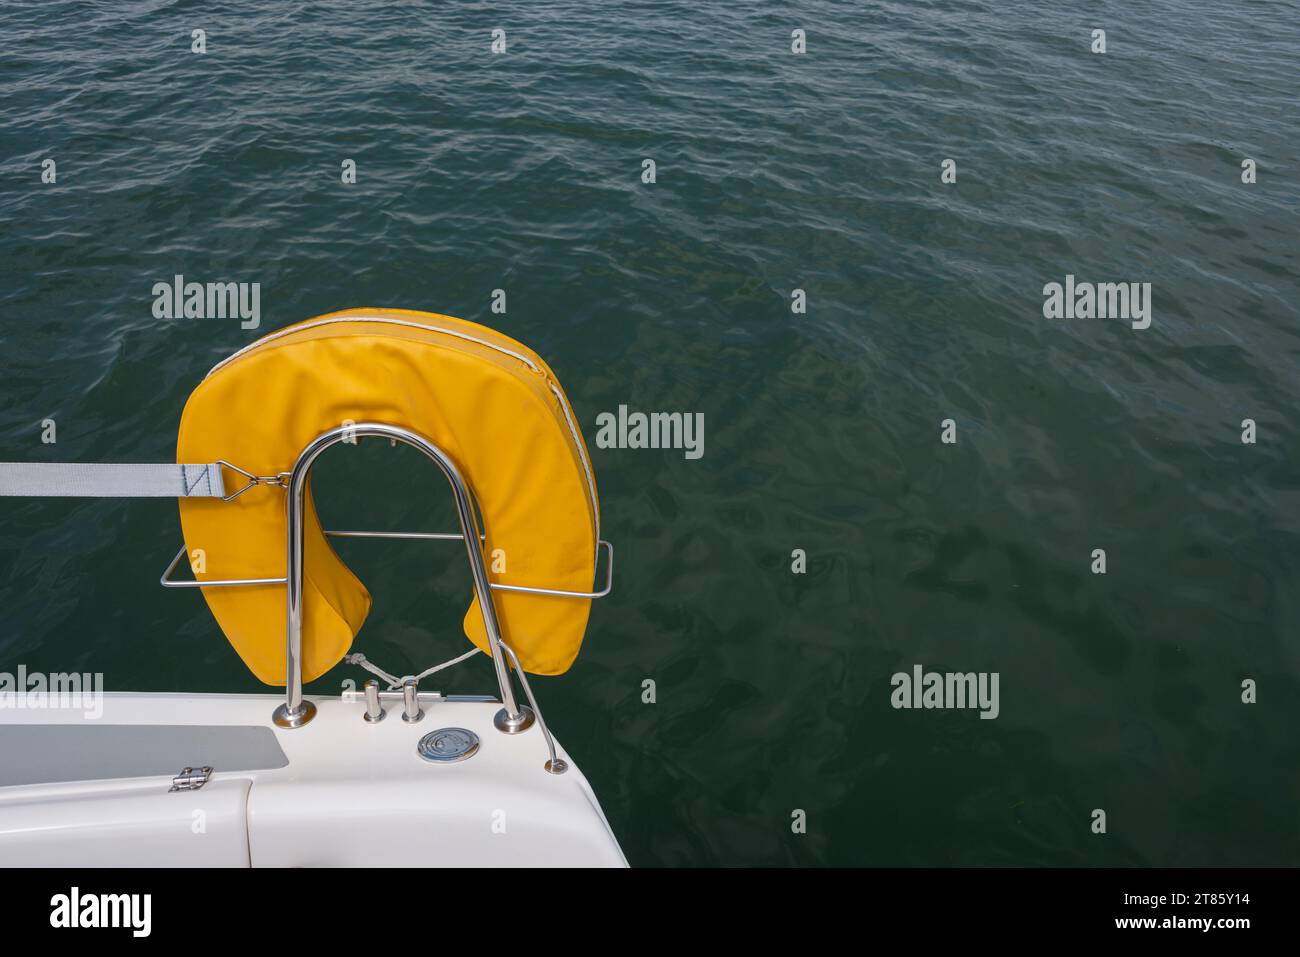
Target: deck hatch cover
<point x="58" y="753"/>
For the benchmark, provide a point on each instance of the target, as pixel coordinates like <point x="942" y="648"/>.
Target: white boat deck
<point x="339" y="791"/>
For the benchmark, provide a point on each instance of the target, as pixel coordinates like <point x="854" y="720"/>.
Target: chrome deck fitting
<point x="374" y="710"/>
<point x="411" y="711"/>
<point x="447" y="745"/>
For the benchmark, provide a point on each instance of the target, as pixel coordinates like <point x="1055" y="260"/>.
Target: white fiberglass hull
<point x="337" y="792"/>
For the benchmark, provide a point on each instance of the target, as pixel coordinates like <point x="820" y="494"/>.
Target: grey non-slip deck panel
<point x="57" y="753"/>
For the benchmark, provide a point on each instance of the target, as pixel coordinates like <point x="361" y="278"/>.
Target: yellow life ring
<point x="490" y="403"/>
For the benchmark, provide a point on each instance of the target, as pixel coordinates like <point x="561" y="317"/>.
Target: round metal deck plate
<point x="448" y="744"/>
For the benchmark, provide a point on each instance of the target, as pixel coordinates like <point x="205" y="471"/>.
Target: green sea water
<point x="775" y="171"/>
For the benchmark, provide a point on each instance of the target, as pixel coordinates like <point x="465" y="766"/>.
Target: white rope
<point x="447" y="664"/>
<point x="395" y="683"/>
<point x="360" y="659"/>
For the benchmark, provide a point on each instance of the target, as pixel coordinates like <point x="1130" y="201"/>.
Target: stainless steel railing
<point x="296" y="710"/>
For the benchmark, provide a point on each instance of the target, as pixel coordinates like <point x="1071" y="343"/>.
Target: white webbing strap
<point x="65" y="480"/>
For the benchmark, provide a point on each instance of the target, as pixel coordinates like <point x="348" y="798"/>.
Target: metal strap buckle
<point x="279" y="480"/>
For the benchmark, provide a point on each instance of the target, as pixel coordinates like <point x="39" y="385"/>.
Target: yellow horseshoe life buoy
<point x="489" y="402"/>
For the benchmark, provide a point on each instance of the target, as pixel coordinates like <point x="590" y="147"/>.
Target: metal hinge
<point x="190" y="779"/>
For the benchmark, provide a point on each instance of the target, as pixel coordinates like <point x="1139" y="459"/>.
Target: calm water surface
<point x="775" y="171"/>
